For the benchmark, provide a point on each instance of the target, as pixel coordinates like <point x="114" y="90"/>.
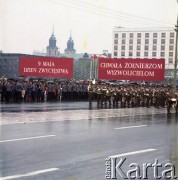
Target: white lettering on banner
<point x="110" y="65"/>
<point x="29" y="69"/>
<point x="130" y="73"/>
<point x="48" y="63"/>
<point x="132" y="65"/>
<point x="53" y="71"/>
<point x="143" y="65"/>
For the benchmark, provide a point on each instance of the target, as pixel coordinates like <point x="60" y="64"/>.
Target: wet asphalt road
<point x="70" y="141"/>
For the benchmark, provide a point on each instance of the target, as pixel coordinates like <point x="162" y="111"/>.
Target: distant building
<point x="39" y="53"/>
<point x="144" y="43"/>
<point x="70" y="47"/>
<point x="9" y="64"/>
<point x="52" y="49"/>
<point x="82" y="67"/>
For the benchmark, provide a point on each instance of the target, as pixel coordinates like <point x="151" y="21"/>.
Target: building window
<point x="154" y="41"/>
<point x="146" y="48"/>
<point x="154" y="54"/>
<point x="123" y="41"/>
<point x="138" y="54"/>
<point x="163" y="35"/>
<point x="130" y="54"/>
<point x="116" y="36"/>
<point x="131" y="35"/>
<point x="170" y="54"/>
<point x="115" y="54"/>
<point x="115" y="41"/>
<point x="162" y="54"/>
<point x="170" y="60"/>
<point x="147" y="35"/>
<point x="130" y="47"/>
<point x="171" y="48"/>
<point x="154" y="47"/>
<point x="155" y="35"/>
<point x="171" y="41"/>
<point x="171" y="34"/>
<point x="146" y="54"/>
<point x="139" y="35"/>
<point x="138" y="47"/>
<point x="123" y="35"/>
<point x="115" y="47"/>
<point x="146" y="41"/>
<point x="138" y="41"/>
<point x="162" y="48"/>
<point x="131" y="41"/>
<point x="122" y="48"/>
<point x="163" y="41"/>
<point x="122" y="54"/>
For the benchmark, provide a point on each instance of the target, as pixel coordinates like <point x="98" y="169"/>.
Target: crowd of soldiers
<point x="104" y="94"/>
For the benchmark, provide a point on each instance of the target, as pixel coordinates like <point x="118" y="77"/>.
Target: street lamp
<point x="175" y="62"/>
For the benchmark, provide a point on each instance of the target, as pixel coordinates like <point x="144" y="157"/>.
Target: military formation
<point x="127" y="96"/>
<point x="101" y="93"/>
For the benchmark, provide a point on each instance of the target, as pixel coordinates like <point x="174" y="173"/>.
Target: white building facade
<point x="145" y="43"/>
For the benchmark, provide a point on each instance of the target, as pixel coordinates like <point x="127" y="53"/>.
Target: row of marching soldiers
<point x="130" y="95"/>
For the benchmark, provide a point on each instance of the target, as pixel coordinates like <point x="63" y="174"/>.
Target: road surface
<point x="71" y="141"/>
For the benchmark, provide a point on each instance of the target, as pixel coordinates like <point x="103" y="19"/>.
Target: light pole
<point x="175" y="62"/>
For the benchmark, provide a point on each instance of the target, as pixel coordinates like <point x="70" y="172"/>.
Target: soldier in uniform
<point x="70" y="91"/>
<point x="64" y="91"/>
<point x="128" y="97"/>
<point x="90" y="93"/>
<point x="176" y="96"/>
<point x="108" y="95"/>
<point x="147" y="97"/>
<point x="99" y="94"/>
<point x="19" y="88"/>
<point x="8" y="91"/>
<point x="85" y="91"/>
<point x="115" y="97"/>
<point x="103" y="95"/>
<point x="3" y="91"/>
<point x="171" y="102"/>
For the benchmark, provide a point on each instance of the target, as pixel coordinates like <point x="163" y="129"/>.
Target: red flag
<point x="94" y="57"/>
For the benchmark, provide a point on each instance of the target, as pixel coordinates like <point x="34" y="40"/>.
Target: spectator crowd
<point x="41" y="90"/>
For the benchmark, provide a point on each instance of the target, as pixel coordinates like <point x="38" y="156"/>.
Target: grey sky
<point x="26" y="25"/>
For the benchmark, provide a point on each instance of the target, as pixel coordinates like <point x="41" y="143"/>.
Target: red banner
<point x="46" y="67"/>
<point x="131" y="69"/>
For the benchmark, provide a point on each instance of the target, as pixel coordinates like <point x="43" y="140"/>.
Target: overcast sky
<point x="26" y="25"/>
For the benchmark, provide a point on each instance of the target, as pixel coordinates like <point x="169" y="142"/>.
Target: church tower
<point x="52" y="49"/>
<point x="70" y="46"/>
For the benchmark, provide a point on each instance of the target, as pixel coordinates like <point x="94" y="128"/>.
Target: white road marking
<point x="131" y="127"/>
<point x="132" y="153"/>
<point x="29" y="174"/>
<point x="22" y="139"/>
